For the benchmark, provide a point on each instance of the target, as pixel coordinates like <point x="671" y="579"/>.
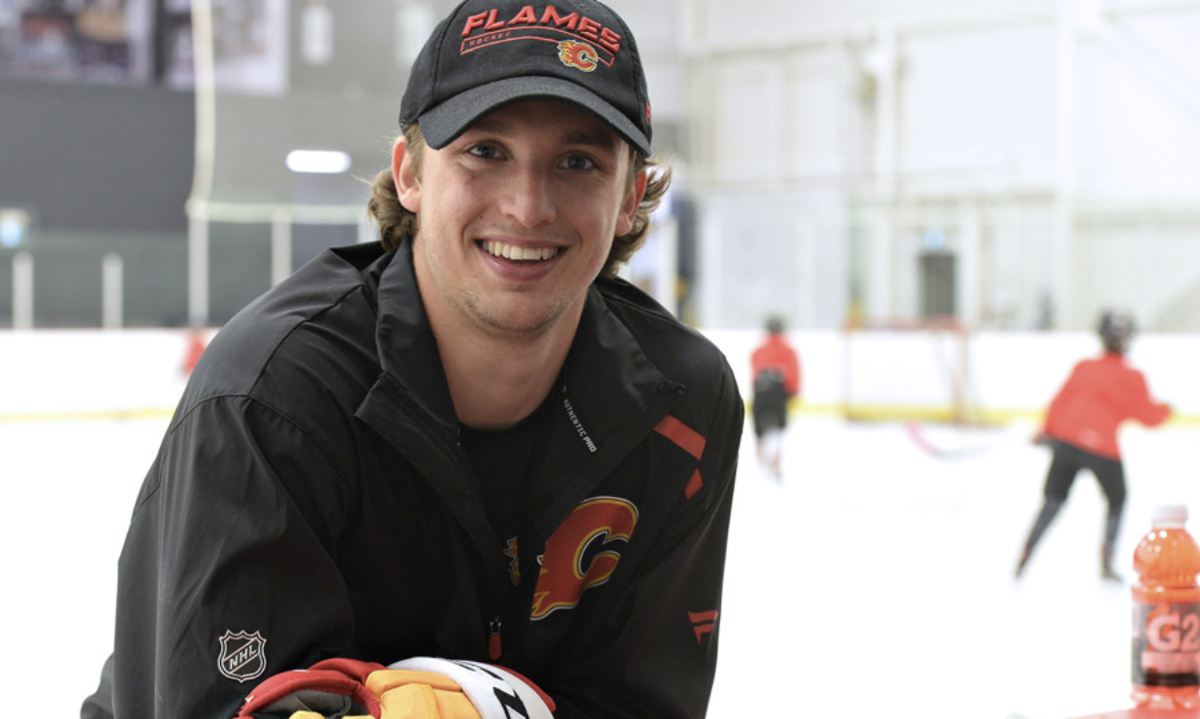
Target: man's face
<point x="517" y="216"/>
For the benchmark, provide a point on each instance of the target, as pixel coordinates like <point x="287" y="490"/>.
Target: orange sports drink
<point x="1166" y="614"/>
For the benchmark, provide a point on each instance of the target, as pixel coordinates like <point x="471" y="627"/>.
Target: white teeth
<point x="512" y="252"/>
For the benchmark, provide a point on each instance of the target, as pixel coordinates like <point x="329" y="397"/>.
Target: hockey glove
<point x="421" y="688"/>
<point x="492" y="690"/>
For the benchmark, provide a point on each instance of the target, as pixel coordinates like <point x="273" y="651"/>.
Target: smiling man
<point x="463" y="471"/>
<point x="517" y="218"/>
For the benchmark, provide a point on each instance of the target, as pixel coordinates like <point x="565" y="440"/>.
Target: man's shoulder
<point x="674" y="346"/>
<point x="324" y="314"/>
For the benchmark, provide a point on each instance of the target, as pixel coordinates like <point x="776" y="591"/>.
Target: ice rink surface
<point x="873" y="580"/>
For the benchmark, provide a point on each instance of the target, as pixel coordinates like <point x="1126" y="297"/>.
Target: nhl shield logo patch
<point x="243" y="656"/>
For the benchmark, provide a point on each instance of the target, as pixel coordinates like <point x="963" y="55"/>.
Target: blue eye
<point x="484" y="152"/>
<point x="579" y="162"/>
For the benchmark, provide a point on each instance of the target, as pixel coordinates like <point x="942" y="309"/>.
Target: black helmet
<point x="1116" y="331"/>
<point x="774" y="325"/>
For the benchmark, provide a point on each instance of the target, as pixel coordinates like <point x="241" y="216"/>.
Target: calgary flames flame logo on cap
<point x="578" y="55"/>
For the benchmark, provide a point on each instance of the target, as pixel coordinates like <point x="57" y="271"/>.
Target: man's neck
<point x="496" y="382"/>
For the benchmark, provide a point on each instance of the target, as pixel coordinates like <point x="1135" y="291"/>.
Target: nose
<point x="529" y="198"/>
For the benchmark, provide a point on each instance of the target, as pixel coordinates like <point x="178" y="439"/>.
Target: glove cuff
<point x="321" y="687"/>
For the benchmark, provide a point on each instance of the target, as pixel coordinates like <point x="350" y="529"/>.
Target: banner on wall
<point x="250" y="46"/>
<point x="84" y="40"/>
<point x="115" y="41"/>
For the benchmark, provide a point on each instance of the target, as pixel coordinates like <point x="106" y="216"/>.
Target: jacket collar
<point x="607" y="374"/>
<point x="610" y="379"/>
<point x="408" y="352"/>
<point x="613" y="392"/>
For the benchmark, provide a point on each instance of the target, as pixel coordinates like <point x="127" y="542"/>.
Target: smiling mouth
<point x="515" y="253"/>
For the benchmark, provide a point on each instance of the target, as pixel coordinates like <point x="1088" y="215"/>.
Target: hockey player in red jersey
<point x="197" y="340"/>
<point x="775" y="369"/>
<point x="1081" y="429"/>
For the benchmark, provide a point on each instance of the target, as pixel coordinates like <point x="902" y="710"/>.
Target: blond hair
<point x="396" y="222"/>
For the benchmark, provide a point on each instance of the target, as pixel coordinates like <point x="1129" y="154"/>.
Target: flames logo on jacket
<point x="582" y="553"/>
<point x="578" y="55"/>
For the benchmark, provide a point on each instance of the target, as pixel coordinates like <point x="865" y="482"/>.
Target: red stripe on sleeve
<point x="682" y="435"/>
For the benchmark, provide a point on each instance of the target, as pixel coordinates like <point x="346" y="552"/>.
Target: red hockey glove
<point x="326" y="688"/>
<point x="421" y="688"/>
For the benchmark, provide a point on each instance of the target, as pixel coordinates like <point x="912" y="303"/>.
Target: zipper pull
<point x="494" y="650"/>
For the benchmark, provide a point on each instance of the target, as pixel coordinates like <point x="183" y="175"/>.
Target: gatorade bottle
<point x="1166" y="614"/>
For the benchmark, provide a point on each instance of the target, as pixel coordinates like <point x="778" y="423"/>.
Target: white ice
<point x="874" y="580"/>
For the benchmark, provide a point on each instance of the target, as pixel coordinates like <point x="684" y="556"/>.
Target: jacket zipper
<point x="494" y="648"/>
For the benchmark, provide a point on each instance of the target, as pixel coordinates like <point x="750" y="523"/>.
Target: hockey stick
<point x="914" y="432"/>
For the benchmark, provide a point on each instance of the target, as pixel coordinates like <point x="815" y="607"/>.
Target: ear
<point x="629" y="206"/>
<point x="408" y="185"/>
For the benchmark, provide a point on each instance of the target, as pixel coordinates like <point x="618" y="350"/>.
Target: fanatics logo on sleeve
<point x="703" y="623"/>
<point x="243" y="656"/>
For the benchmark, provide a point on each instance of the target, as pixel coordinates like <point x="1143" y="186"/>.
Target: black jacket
<point x="310" y="500"/>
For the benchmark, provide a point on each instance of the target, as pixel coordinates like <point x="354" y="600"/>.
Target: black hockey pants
<point x="1067" y="462"/>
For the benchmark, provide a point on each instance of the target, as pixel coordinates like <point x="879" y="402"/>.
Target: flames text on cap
<point x="586" y="27"/>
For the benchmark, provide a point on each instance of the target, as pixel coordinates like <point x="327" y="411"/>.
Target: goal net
<point x="907" y="370"/>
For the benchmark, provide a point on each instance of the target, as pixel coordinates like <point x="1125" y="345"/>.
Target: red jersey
<point x="195" y="348"/>
<point x="776" y="353"/>
<point x="1100" y="394"/>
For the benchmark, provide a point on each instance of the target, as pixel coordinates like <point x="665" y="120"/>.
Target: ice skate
<point x="1021" y="564"/>
<point x="1107" y="573"/>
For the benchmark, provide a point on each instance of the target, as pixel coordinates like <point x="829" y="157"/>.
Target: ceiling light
<point x="323" y="161"/>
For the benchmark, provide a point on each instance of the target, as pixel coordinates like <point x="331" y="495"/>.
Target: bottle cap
<point x="1169" y="514"/>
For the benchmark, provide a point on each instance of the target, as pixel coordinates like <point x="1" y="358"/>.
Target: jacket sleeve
<point x="656" y="654"/>
<point x="1140" y="405"/>
<point x="226" y="576"/>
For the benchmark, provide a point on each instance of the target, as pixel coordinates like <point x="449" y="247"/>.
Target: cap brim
<point x="442" y="124"/>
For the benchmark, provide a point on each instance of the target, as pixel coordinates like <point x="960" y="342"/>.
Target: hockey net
<point x="908" y="370"/>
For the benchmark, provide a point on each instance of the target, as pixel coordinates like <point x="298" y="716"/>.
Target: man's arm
<point x="1141" y="405"/>
<point x="226" y="576"/>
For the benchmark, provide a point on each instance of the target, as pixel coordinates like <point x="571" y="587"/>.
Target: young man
<point x="463" y="448"/>
<point x="775" y="371"/>
<point x="1081" y="429"/>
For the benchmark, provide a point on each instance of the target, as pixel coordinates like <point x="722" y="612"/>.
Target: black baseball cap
<point x="491" y="53"/>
